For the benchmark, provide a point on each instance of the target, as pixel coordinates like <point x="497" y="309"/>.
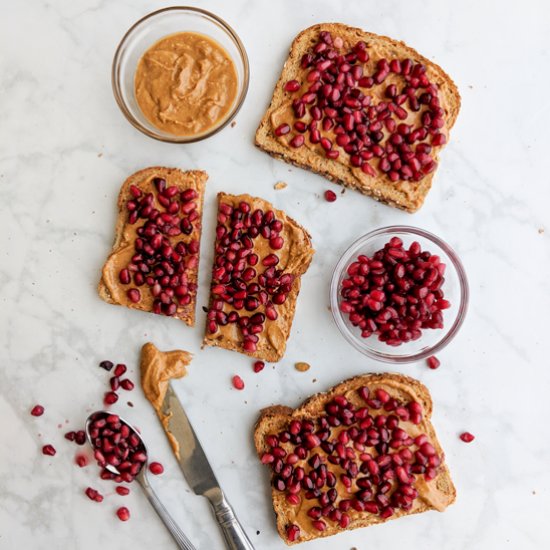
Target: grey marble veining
<point x="64" y="151"/>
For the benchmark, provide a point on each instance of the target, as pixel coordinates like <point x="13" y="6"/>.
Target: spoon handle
<point x="179" y="536"/>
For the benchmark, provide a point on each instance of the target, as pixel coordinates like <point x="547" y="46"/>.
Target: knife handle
<point x="233" y="533"/>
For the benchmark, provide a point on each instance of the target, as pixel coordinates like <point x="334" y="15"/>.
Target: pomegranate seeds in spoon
<point x="396" y="293"/>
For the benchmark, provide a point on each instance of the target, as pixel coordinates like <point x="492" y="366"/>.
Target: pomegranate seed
<point x="134" y="295"/>
<point x="467" y="437"/>
<point x="81" y="460"/>
<point x="94" y="495"/>
<point x="37" y="410"/>
<point x="258" y="366"/>
<point x="433" y="362"/>
<point x="123" y="513"/>
<point x="120" y="369"/>
<point x="292" y="533"/>
<point x="122" y="491"/>
<point x="107" y="365"/>
<point x="110" y="398"/>
<point x="238" y="383"/>
<point x="292" y="86"/>
<point x="127" y="384"/>
<point x="156" y="468"/>
<point x="48" y="450"/>
<point x="330" y="196"/>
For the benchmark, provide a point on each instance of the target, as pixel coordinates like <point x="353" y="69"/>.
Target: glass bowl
<point x="151" y="28"/>
<point x="455" y="288"/>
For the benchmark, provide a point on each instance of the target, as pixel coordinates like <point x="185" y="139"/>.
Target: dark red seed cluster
<point x="116" y="445"/>
<point x="246" y="289"/>
<point x="164" y="252"/>
<point x="395" y="294"/>
<point x="358" y="456"/>
<point x="338" y="107"/>
<point x="115" y="383"/>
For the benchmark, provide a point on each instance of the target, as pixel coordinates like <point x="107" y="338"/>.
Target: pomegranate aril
<point x="37" y="410"/>
<point x="467" y="437"/>
<point x="330" y="196"/>
<point x="156" y="468"/>
<point x="433" y="362"/>
<point x="258" y="366"/>
<point x="237" y="382"/>
<point x="48" y="450"/>
<point x="120" y="369"/>
<point x="94" y="495"/>
<point x="122" y="491"/>
<point x="123" y="513"/>
<point x="110" y="398"/>
<point x="292" y="86"/>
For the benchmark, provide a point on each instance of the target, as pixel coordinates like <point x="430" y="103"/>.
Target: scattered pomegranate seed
<point x="110" y="398"/>
<point x="80" y="437"/>
<point x="81" y="460"/>
<point x="156" y="468"/>
<point x="237" y="382"/>
<point x="48" y="450"/>
<point x="258" y="366"/>
<point x="70" y="436"/>
<point x="433" y="362"/>
<point x="94" y="495"/>
<point x="127" y="384"/>
<point x="107" y="365"/>
<point x="292" y="533"/>
<point x="467" y="437"/>
<point x="37" y="410"/>
<point x="120" y="369"/>
<point x="122" y="491"/>
<point x="330" y="196"/>
<point x="123" y="513"/>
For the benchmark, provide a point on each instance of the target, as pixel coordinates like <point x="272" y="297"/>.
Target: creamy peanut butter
<point x="157" y="369"/>
<point x="185" y="84"/>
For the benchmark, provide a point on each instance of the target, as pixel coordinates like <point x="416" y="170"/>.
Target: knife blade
<point x="199" y="473"/>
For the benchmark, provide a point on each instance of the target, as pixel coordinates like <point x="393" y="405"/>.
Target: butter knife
<point x="199" y="474"/>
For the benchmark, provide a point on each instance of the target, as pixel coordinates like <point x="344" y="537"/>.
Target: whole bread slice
<point x="295" y="257"/>
<point x="110" y="287"/>
<point x="407" y="195"/>
<point x="436" y="494"/>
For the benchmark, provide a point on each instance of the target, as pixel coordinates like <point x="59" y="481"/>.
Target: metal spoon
<point x="179" y="536"/>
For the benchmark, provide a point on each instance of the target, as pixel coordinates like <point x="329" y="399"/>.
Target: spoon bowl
<point x="136" y="470"/>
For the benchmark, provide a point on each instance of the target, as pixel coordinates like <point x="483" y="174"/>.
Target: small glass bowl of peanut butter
<point x="180" y="74"/>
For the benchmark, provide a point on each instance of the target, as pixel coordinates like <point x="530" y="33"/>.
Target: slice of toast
<point x="395" y="176"/>
<point x="155" y="256"/>
<point x="351" y="446"/>
<point x="260" y="257"/>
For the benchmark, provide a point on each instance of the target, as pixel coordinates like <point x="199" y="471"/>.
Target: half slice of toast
<point x="360" y="454"/>
<point x="154" y="261"/>
<point x="363" y="110"/>
<point x="259" y="258"/>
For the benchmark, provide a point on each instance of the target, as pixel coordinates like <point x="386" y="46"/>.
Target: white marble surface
<point x="64" y="151"/>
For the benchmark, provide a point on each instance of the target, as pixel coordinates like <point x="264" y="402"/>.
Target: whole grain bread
<point x="298" y="252"/>
<point x="406" y="195"/>
<point x="110" y="289"/>
<point x="435" y="494"/>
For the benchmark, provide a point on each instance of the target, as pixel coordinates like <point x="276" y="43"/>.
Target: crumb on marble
<point x="302" y="366"/>
<point x="279" y="185"/>
<point x="99" y="155"/>
<point x="314" y="380"/>
<point x="233" y="124"/>
<point x="541" y="230"/>
<point x="130" y="404"/>
<point x="257" y="532"/>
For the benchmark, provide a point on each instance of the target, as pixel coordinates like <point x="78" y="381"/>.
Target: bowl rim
<point x="389" y="357"/>
<point x="180" y="139"/>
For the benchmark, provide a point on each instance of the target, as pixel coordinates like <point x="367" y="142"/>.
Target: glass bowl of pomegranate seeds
<point x="399" y="294"/>
<point x="161" y="24"/>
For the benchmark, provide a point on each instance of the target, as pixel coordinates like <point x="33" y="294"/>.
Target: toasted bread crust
<point x="175" y="177"/>
<point x="272" y="419"/>
<point x="266" y="351"/>
<point x="379" y="187"/>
